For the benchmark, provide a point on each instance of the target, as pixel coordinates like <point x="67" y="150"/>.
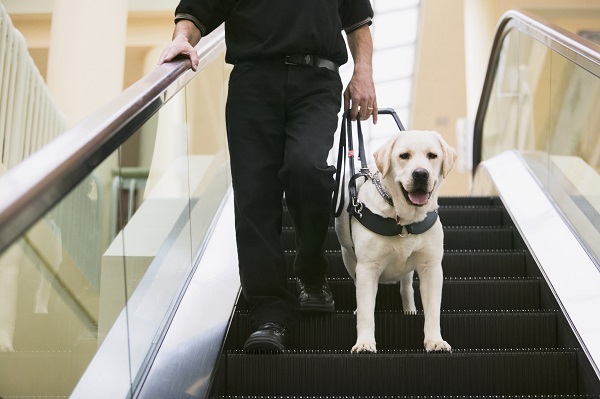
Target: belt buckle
<point x="300" y="59"/>
<point x="288" y="62"/>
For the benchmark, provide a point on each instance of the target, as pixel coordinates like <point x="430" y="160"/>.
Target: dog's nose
<point x="420" y="175"/>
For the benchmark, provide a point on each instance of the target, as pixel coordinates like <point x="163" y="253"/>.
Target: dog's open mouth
<point x="417" y="197"/>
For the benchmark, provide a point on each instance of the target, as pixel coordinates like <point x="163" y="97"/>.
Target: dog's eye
<point x="404" y="155"/>
<point x="431" y="155"/>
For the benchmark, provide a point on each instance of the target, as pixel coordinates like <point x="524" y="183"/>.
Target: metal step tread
<point x="323" y="373"/>
<point x="414" y="397"/>
<point x="459" y="293"/>
<point x="396" y="330"/>
<point x="468" y="215"/>
<point x="470" y="237"/>
<point x="456" y="263"/>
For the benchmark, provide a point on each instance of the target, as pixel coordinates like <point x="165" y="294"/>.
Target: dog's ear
<point x="383" y="156"/>
<point x="450" y="156"/>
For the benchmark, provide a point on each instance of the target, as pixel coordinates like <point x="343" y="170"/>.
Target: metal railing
<point x="578" y="50"/>
<point x="33" y="186"/>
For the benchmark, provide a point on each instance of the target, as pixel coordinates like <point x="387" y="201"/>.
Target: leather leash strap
<point x="346" y="144"/>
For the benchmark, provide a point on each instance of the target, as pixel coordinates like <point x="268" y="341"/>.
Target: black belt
<point x="299" y="59"/>
<point x="311" y="60"/>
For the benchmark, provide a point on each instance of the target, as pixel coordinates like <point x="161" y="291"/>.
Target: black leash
<point x="346" y="143"/>
<point x="346" y="137"/>
<point x="375" y="223"/>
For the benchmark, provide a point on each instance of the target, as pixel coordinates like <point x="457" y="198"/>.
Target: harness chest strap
<point x="388" y="226"/>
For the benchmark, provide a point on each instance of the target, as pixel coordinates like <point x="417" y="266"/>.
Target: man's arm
<point x="361" y="89"/>
<point x="185" y="37"/>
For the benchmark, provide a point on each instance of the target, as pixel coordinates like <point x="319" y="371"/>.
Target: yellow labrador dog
<point x="411" y="166"/>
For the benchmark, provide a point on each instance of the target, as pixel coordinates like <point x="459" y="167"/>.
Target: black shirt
<point x="268" y="28"/>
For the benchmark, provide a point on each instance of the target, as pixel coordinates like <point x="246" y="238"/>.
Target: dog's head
<point x="414" y="164"/>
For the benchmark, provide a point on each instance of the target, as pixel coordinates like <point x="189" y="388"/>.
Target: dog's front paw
<point x="435" y="346"/>
<point x="364" y="347"/>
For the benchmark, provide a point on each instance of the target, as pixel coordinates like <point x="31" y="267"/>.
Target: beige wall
<point x="455" y="42"/>
<point x="145" y="31"/>
<point x="439" y="93"/>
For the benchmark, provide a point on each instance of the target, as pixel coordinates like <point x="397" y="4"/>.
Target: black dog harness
<point x="378" y="224"/>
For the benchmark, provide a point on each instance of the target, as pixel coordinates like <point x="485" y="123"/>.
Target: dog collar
<point x="377" y="183"/>
<point x="388" y="226"/>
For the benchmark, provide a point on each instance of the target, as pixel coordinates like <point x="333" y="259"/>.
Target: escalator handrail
<point x="32" y="187"/>
<point x="578" y="50"/>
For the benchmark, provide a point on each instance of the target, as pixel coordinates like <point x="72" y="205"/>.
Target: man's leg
<point x="308" y="181"/>
<point x="255" y="120"/>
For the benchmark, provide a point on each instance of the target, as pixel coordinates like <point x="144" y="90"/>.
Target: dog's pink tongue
<point x="419" y="197"/>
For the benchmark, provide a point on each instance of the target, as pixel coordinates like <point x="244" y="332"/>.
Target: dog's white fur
<point x="380" y="259"/>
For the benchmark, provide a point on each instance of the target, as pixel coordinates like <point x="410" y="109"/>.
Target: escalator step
<point x="473" y="238"/>
<point x="458" y="294"/>
<point x="469" y="201"/>
<point x="470" y="215"/>
<point x="479" y="372"/>
<point x="504" y="345"/>
<point x="415" y="397"/>
<point x="455" y="263"/>
<point x="455" y="238"/>
<point x="395" y="330"/>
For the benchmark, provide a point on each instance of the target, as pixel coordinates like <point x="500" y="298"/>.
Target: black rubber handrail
<point x="576" y="49"/>
<point x="34" y="186"/>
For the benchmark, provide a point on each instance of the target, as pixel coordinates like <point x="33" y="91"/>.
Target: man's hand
<point x="185" y="37"/>
<point x="360" y="95"/>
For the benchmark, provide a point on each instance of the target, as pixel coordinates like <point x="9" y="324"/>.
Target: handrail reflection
<point x="578" y="50"/>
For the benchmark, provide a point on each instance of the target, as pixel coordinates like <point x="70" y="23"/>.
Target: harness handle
<point x="390" y="111"/>
<point x="346" y="143"/>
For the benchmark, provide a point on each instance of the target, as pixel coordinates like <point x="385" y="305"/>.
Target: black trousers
<point x="281" y="120"/>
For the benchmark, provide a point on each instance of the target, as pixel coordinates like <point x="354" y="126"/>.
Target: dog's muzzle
<point x="418" y="193"/>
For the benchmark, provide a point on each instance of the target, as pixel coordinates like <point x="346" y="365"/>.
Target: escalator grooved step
<point x="505" y="334"/>
<point x="452" y="215"/>
<point x="413" y="397"/>
<point x="456" y="263"/>
<point x="478" y="237"/>
<point x="458" y="294"/>
<point x="326" y="373"/>
<point x="396" y="330"/>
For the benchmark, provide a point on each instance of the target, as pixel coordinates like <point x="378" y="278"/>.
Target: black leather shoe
<point x="315" y="297"/>
<point x="270" y="337"/>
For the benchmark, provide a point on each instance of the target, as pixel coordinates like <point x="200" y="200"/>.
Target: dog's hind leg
<point x="431" y="282"/>
<point x="407" y="292"/>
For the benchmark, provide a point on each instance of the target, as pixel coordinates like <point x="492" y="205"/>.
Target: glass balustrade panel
<point x="87" y="293"/>
<point x="546" y="106"/>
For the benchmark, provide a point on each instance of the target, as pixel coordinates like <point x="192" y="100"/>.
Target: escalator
<point x="508" y="335"/>
<point x="157" y="311"/>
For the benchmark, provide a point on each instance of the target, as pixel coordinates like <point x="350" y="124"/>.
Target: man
<point x="284" y="96"/>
